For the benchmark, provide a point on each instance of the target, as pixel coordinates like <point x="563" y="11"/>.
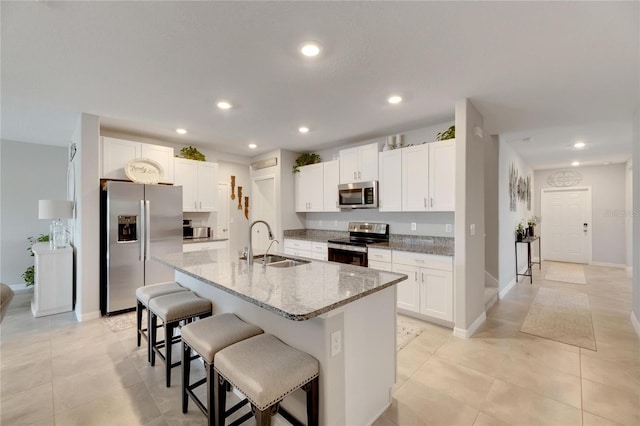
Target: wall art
<point x="564" y="178"/>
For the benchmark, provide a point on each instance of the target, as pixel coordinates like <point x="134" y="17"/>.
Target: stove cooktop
<point x="362" y="242"/>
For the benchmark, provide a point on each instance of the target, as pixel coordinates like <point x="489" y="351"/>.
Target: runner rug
<point x="406" y="332"/>
<point x="561" y="316"/>
<point x="566" y="272"/>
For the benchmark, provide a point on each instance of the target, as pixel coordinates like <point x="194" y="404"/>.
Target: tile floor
<point x="56" y="371"/>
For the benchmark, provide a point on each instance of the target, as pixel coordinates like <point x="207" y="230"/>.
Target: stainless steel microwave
<point x="359" y="195"/>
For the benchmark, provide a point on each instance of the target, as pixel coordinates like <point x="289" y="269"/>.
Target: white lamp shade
<point x="55" y="209"/>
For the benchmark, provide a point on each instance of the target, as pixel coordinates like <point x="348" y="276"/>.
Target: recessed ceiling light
<point x="252" y="145"/>
<point x="303" y="129"/>
<point x="310" y="49"/>
<point x="224" y="105"/>
<point x="181" y="131"/>
<point x="579" y="144"/>
<point x="395" y="99"/>
<point x="575" y="163"/>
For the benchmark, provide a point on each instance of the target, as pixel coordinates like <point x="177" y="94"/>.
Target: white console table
<point x="53" y="289"/>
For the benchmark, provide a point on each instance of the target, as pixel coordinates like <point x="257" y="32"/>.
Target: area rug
<point x="122" y="321"/>
<point x="405" y="333"/>
<point x="566" y="272"/>
<point x="561" y="316"/>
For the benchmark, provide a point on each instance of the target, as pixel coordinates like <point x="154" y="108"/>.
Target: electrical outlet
<point x="472" y="229"/>
<point x="413" y="226"/>
<point x="336" y="342"/>
<point x="448" y="228"/>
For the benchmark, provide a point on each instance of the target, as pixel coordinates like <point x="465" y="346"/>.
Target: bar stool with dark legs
<point x="266" y="370"/>
<point x="206" y="338"/>
<point x="172" y="309"/>
<point x="143" y="295"/>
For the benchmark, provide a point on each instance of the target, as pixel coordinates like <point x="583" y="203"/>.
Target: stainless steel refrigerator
<point x="137" y="222"/>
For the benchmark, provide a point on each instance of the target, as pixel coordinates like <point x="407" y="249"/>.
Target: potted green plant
<point x="192" y="153"/>
<point x="520" y="231"/>
<point x="450" y="133"/>
<point x="305" y="159"/>
<point x="532" y="222"/>
<point x="29" y="274"/>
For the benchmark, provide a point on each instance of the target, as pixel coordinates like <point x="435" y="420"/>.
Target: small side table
<point x="53" y="288"/>
<point x="530" y="263"/>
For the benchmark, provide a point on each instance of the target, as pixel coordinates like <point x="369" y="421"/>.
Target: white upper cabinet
<point x="359" y="164"/>
<point x="415" y="178"/>
<point x="390" y="185"/>
<point x="116" y="153"/>
<point x="199" y="181"/>
<point x="331" y="181"/>
<point x="442" y="175"/>
<point x="309" y="182"/>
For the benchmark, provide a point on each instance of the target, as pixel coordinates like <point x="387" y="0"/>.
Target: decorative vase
<point x="531" y="231"/>
<point x="519" y="235"/>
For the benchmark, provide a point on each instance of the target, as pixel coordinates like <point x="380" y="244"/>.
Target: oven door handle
<point x="345" y="247"/>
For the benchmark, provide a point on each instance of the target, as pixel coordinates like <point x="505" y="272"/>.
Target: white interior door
<point x="566" y="225"/>
<point x="264" y="208"/>
<point x="222" y="220"/>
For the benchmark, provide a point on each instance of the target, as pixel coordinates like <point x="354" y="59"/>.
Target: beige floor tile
<point x="416" y="404"/>
<point x="547" y="354"/>
<point x="618" y="404"/>
<point x="384" y="421"/>
<point x="444" y="377"/>
<point x="72" y="391"/>
<point x="409" y="359"/>
<point x="589" y="419"/>
<point x="515" y="405"/>
<point x="131" y="406"/>
<point x="27" y="407"/>
<point x="476" y="354"/>
<point x="537" y="376"/>
<point x="619" y="373"/>
<point x="45" y="422"/>
<point x="33" y="349"/>
<point x="24" y="376"/>
<point x="486" y="420"/>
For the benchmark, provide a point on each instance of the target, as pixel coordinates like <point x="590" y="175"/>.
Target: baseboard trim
<point x="636" y="323"/>
<point x="609" y="265"/>
<point x="629" y="268"/>
<point x="20" y="288"/>
<point x="490" y="280"/>
<point x="503" y="292"/>
<point x="466" y="333"/>
<point x="88" y="316"/>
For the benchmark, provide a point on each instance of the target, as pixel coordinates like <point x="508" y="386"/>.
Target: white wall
<point x="628" y="204"/>
<point x="508" y="220"/>
<point x="469" y="247"/>
<point x="607" y="184"/>
<point x="238" y="224"/>
<point x="29" y="172"/>
<point x="491" y="172"/>
<point x="635" y="306"/>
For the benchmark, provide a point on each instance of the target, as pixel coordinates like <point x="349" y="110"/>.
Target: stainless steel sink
<point x="287" y="263"/>
<point x="278" y="261"/>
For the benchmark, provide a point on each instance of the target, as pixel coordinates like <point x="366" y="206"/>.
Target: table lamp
<point x="56" y="210"/>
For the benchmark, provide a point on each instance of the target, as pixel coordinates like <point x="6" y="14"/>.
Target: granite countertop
<point x="202" y="240"/>
<point x="298" y="293"/>
<point x="443" y="246"/>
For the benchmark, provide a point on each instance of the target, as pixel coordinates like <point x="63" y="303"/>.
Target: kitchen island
<point x="343" y="315"/>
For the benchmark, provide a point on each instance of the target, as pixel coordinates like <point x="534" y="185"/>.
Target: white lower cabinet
<point x="298" y="247"/>
<point x="428" y="290"/>
<point x="53" y="287"/>
<point x="319" y="250"/>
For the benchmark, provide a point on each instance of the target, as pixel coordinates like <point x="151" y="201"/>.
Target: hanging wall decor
<point x="513" y="187"/>
<point x="233" y="187"/>
<point x="239" y="198"/>
<point x="246" y="207"/>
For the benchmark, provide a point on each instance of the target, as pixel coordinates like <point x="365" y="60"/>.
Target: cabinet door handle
<point x="416" y="272"/>
<point x="195" y="204"/>
<point x="355" y="175"/>
<point x="425" y="201"/>
<point x="200" y="204"/>
<point x="422" y="276"/>
<point x="359" y="175"/>
<point x="431" y="202"/>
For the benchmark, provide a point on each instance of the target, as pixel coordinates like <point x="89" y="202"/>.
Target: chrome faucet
<point x="250" y="253"/>
<point x="264" y="259"/>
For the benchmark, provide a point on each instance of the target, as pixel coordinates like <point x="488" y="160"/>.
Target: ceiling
<point x="552" y="72"/>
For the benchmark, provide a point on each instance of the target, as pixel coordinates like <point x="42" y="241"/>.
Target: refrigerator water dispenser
<point x="127" y="228"/>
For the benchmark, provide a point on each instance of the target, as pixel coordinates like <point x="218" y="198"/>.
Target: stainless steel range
<point x="353" y="250"/>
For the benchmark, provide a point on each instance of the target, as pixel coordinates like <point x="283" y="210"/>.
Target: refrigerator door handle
<point x="142" y="231"/>
<point x="147" y="231"/>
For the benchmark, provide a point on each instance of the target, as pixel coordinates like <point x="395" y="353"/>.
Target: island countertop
<point x="297" y="293"/>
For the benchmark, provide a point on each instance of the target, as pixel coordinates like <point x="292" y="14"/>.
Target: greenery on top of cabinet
<point x="305" y="159"/>
<point x="192" y="153"/>
<point x="450" y="133"/>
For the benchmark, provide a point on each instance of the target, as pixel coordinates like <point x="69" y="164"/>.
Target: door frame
<point x="589" y="216"/>
<point x="275" y="227"/>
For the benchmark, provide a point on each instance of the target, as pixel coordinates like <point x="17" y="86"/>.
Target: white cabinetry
<point x="298" y="248"/>
<point x="317" y="187"/>
<point x="442" y="175"/>
<point x="415" y="178"/>
<point x="310" y="188"/>
<point x="199" y="181"/>
<point x="379" y="259"/>
<point x="319" y="250"/>
<point x="359" y="164"/>
<point x="53" y="288"/>
<point x="429" y="288"/>
<point x="116" y="153"/>
<point x="331" y="181"/>
<point x="390" y="185"/>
